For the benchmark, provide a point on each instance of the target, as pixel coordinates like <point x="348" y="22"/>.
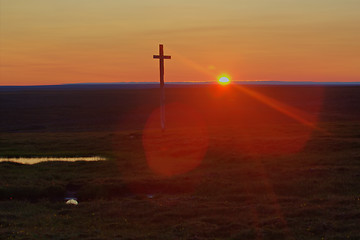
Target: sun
<point x="224" y="80"/>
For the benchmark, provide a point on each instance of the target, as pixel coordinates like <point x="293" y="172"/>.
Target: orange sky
<point x="70" y="41"/>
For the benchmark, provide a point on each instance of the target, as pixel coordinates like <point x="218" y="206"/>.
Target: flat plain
<point x="235" y="162"/>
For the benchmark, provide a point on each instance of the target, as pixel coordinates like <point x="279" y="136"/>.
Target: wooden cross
<point x="161" y="57"/>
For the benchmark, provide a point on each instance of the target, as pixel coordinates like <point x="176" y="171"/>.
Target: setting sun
<point x="224" y="80"/>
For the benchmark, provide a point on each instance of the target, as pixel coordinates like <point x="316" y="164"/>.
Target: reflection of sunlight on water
<point x="34" y="160"/>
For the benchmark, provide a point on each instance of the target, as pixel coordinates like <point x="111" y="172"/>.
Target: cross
<point x="161" y="57"/>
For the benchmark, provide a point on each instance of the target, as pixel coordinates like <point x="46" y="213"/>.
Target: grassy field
<point x="270" y="162"/>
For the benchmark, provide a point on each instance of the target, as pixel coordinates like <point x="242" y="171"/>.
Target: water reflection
<point x="34" y="160"/>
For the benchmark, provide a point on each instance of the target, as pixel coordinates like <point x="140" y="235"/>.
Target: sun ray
<point x="294" y="113"/>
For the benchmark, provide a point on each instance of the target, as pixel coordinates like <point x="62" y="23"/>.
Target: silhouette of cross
<point x="161" y="57"/>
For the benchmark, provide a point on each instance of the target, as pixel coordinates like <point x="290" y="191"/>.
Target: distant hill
<point x="142" y="85"/>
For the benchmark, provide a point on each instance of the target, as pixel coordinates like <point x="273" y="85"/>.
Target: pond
<point x="34" y="160"/>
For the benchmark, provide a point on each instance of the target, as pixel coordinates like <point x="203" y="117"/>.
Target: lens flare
<point x="181" y="147"/>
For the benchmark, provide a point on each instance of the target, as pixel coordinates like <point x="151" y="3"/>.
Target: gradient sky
<point x="71" y="41"/>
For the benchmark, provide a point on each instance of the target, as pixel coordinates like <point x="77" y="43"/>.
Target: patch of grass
<point x="312" y="193"/>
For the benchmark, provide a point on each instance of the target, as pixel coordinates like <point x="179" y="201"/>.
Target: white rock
<point x="72" y="202"/>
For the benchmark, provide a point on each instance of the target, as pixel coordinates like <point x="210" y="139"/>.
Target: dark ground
<point x="279" y="162"/>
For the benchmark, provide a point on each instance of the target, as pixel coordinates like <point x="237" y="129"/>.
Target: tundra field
<point x="234" y="162"/>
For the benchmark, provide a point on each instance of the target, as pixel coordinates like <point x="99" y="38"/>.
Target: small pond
<point x="34" y="160"/>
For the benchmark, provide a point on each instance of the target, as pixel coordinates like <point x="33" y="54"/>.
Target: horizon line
<point x="250" y="82"/>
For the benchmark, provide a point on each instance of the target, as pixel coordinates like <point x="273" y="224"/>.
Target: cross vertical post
<point x="161" y="58"/>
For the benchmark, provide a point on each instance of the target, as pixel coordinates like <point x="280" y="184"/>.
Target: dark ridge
<point x="144" y="85"/>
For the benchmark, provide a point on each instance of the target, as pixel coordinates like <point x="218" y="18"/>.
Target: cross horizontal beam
<point x="162" y="57"/>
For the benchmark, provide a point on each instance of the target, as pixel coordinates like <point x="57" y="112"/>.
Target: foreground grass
<point x="311" y="193"/>
<point x="307" y="195"/>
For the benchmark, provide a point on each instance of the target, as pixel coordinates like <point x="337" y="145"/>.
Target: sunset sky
<point x="77" y="41"/>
